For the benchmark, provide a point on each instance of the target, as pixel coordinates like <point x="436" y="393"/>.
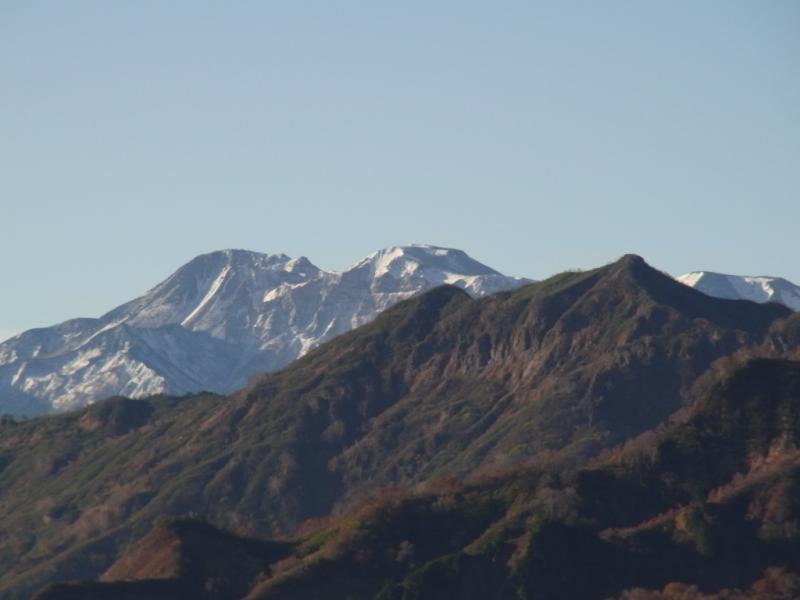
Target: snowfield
<point x="743" y="287"/>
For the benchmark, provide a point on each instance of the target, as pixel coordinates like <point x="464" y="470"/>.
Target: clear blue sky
<point x="537" y="136"/>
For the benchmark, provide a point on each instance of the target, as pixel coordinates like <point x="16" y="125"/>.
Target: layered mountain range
<point x="228" y="315"/>
<point x="217" y="321"/>
<point x="577" y="437"/>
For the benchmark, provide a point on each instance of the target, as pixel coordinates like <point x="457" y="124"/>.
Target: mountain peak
<point x="235" y="257"/>
<point x="634" y="268"/>
<point x="221" y="318"/>
<point x="631" y="259"/>
<point x="629" y="263"/>
<point x="744" y="287"/>
<point x="397" y="260"/>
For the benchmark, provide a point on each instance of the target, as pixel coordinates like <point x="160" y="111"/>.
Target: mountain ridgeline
<point x="217" y="321"/>
<point x="555" y="441"/>
<point x="711" y="498"/>
<point x="737" y="287"/>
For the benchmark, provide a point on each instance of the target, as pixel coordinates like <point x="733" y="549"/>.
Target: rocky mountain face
<point x="217" y="321"/>
<point x="437" y="387"/>
<point x="739" y="287"/>
<point x="709" y="501"/>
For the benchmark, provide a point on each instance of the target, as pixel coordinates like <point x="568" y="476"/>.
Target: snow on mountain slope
<point x="218" y="320"/>
<point x="741" y="287"/>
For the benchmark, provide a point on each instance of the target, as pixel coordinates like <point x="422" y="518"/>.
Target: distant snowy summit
<point x="217" y="321"/>
<point x="742" y="287"/>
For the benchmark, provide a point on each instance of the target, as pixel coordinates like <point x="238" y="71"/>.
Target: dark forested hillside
<point x="522" y="395"/>
<point x="706" y="505"/>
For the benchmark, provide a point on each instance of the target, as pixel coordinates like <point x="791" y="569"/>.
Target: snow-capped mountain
<point x="217" y="321"/>
<point x="741" y="287"/>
